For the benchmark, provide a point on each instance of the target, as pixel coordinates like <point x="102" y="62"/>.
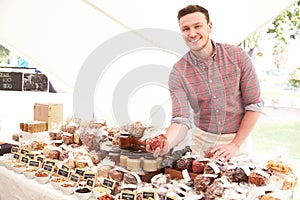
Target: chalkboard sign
<point x="147" y="195"/>
<point x="65" y="167"/>
<point x="109" y="183"/>
<point x="25" y="159"/>
<point x="33" y="163"/>
<point x="35" y="82"/>
<point x="90" y="175"/>
<point x="74" y="178"/>
<point x="50" y="162"/>
<point x="17" y="156"/>
<point x="11" y="81"/>
<point x="24" y="151"/>
<point x="14" y="149"/>
<point x="90" y="182"/>
<point x="30" y="155"/>
<point x="48" y="168"/>
<point x="40" y="158"/>
<point x="128" y="195"/>
<point x="79" y="171"/>
<point x="64" y="173"/>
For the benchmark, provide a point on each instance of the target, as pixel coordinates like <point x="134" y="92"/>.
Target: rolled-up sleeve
<point x="257" y="107"/>
<point x="180" y="104"/>
<point x="250" y="87"/>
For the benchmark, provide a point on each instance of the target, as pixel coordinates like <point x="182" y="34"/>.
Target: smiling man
<point x="218" y="82"/>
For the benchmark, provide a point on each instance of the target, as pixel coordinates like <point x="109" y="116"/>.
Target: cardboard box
<point x="52" y="114"/>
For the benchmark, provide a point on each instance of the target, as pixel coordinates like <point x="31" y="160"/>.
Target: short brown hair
<point x="191" y="9"/>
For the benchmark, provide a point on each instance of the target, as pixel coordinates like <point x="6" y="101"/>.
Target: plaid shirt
<point x="219" y="90"/>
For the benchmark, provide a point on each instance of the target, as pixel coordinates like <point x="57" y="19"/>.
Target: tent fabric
<point x="60" y="36"/>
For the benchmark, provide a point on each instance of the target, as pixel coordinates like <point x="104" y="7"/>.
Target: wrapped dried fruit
<point x="258" y="177"/>
<point x="241" y="174"/>
<point x="198" y="166"/>
<point x="184" y="163"/>
<point x="202" y="181"/>
<point x="216" y="189"/>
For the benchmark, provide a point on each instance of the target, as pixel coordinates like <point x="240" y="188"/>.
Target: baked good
<point x="67" y="138"/>
<point x="129" y="179"/>
<point x="116" y="175"/>
<point x="258" y="177"/>
<point x="279" y="166"/>
<point x="157" y="142"/>
<point x="198" y="166"/>
<point x="240" y="175"/>
<point x="184" y="163"/>
<point x="215" y="190"/>
<point x="202" y="181"/>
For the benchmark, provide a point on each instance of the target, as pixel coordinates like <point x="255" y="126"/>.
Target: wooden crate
<point x="52" y="114"/>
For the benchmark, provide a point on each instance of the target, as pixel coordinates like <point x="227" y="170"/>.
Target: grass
<point x="267" y="136"/>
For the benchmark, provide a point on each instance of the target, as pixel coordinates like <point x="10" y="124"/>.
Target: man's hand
<point x="224" y="152"/>
<point x="158" y="145"/>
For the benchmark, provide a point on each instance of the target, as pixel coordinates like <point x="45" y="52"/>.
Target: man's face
<point x="195" y="30"/>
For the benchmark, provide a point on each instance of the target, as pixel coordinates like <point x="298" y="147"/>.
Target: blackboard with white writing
<point x="11" y="81"/>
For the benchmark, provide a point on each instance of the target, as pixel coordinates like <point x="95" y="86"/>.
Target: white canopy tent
<point x="60" y="37"/>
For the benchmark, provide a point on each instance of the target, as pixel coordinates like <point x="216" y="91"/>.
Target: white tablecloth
<point x="15" y="186"/>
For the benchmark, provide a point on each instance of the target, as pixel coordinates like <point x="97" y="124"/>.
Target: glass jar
<point x="150" y="163"/>
<point x="133" y="162"/>
<point x="114" y="154"/>
<point x="125" y="141"/>
<point x="159" y="161"/>
<point x="123" y="158"/>
<point x="105" y="148"/>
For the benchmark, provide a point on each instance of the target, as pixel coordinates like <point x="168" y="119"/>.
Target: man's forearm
<point x="176" y="133"/>
<point x="248" y="123"/>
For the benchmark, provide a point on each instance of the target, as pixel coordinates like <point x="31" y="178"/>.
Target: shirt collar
<point x="196" y="60"/>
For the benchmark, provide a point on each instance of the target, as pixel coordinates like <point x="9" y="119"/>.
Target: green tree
<point x="282" y="29"/>
<point x="285" y="27"/>
<point x="4" y="53"/>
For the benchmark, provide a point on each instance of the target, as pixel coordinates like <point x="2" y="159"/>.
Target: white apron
<point x="202" y="140"/>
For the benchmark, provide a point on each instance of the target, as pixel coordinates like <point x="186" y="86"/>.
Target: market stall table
<point x="15" y="186"/>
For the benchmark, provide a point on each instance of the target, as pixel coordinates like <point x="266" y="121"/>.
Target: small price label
<point x="17" y="156"/>
<point x="109" y="183"/>
<point x="80" y="172"/>
<point x="48" y="168"/>
<point x="89" y="175"/>
<point x="30" y="155"/>
<point x="40" y="158"/>
<point x="14" y="149"/>
<point x="148" y="194"/>
<point x="65" y="167"/>
<point x="24" y="151"/>
<point x="75" y="178"/>
<point x="64" y="173"/>
<point x="90" y="182"/>
<point x="25" y="159"/>
<point x="128" y="195"/>
<point x="34" y="163"/>
<point x="50" y="162"/>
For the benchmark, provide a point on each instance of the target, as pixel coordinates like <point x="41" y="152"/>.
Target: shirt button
<point x="210" y="81"/>
<point x="217" y="111"/>
<point x="219" y="122"/>
<point x="214" y="97"/>
<point x="203" y="67"/>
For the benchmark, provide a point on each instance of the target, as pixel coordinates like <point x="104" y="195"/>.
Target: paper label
<point x="186" y="175"/>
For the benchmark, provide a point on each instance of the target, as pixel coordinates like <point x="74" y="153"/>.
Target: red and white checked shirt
<point x="219" y="90"/>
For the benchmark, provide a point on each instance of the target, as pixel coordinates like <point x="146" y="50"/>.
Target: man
<point x="219" y="83"/>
